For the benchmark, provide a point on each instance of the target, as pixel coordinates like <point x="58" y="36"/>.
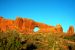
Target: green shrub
<point x="13" y="40"/>
<point x="71" y="38"/>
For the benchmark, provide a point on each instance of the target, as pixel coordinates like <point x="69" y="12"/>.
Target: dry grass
<point x="13" y="40"/>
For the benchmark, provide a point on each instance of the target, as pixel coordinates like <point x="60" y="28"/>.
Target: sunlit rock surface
<point x="70" y="31"/>
<point x="25" y="25"/>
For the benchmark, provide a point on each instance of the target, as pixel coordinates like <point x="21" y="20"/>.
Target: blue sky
<point x="50" y="12"/>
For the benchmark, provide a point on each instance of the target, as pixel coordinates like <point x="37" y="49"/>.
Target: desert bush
<point x="13" y="40"/>
<point x="9" y="40"/>
<point x="71" y="38"/>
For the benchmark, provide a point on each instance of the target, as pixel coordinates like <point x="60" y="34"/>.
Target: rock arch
<point x="36" y="29"/>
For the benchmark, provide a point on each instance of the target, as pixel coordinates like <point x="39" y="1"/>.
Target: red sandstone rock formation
<point x="70" y="31"/>
<point x="25" y="25"/>
<point x="59" y="28"/>
<point x="44" y="27"/>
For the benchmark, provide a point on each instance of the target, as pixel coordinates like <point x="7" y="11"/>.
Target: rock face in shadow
<point x="25" y="25"/>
